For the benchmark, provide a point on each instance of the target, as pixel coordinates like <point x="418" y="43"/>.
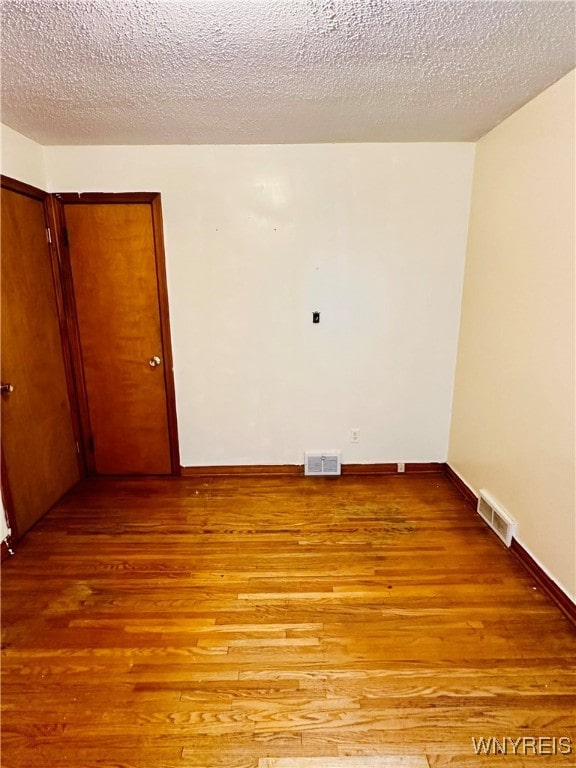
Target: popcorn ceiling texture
<point x="275" y="71"/>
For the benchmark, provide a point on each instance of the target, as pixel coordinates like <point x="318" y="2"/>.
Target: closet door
<point x="38" y="442"/>
<point x="117" y="272"/>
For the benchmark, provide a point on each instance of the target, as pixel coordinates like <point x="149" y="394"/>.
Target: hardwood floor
<point x="286" y="622"/>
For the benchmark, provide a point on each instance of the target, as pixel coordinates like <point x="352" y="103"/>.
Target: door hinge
<point x="48" y="235"/>
<point x="77" y="447"/>
<point x="65" y="237"/>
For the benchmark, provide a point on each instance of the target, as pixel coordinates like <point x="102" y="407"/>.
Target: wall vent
<point x="496" y="517"/>
<point x="322" y="463"/>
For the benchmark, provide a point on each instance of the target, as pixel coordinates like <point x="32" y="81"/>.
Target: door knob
<point x="5" y="389"/>
<point x="154" y="361"/>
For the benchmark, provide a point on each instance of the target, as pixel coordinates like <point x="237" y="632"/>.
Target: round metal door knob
<point x="154" y="361"/>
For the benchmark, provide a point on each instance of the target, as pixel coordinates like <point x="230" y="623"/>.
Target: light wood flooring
<point x="276" y="622"/>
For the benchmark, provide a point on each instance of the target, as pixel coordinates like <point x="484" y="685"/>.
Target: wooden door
<point x="38" y="441"/>
<point x="117" y="271"/>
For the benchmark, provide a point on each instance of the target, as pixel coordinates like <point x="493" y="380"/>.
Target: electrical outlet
<point x="401" y="466"/>
<point x="354" y="435"/>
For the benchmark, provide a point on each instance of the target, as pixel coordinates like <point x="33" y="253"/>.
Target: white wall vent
<point x="322" y="463"/>
<point x="496" y="517"/>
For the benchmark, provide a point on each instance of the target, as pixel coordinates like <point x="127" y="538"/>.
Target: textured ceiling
<point x="275" y="71"/>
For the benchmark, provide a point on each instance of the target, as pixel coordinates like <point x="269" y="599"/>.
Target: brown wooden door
<point x="116" y="260"/>
<point x="38" y="442"/>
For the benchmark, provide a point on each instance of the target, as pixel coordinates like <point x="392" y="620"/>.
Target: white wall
<point x="513" y="424"/>
<point x="4" y="529"/>
<point x="21" y="158"/>
<point x="257" y="238"/>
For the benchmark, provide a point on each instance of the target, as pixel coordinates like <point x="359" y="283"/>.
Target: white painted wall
<point x="513" y="428"/>
<point x="257" y="238"/>
<point x="4" y="529"/>
<point x="21" y="158"/>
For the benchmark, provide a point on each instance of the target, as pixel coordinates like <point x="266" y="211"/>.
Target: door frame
<point x="56" y="204"/>
<point x="21" y="188"/>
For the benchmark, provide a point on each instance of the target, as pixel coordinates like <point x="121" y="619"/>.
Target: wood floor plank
<point x="276" y="622"/>
<point x="405" y="761"/>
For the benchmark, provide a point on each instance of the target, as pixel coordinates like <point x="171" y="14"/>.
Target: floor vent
<point x="496" y="517"/>
<point x="322" y="463"/>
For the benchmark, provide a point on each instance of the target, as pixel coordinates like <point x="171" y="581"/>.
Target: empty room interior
<point x="288" y="383"/>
